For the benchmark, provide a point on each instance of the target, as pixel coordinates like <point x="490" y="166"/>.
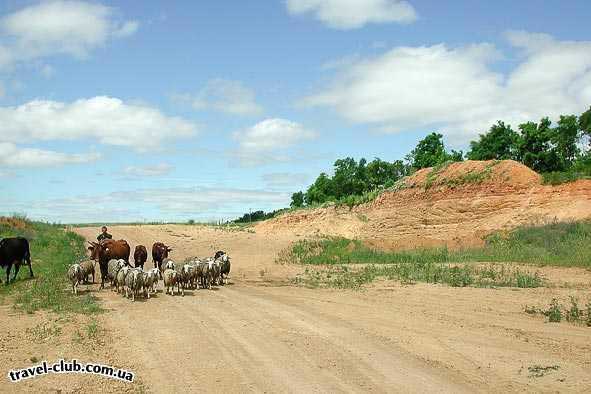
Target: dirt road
<point x="261" y="334"/>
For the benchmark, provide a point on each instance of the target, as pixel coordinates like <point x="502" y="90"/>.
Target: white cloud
<point x="225" y="96"/>
<point x="59" y="27"/>
<point x="456" y="90"/>
<point x="268" y="141"/>
<point x="272" y="134"/>
<point x="12" y="156"/>
<point x="99" y="119"/>
<point x="352" y="14"/>
<point x="148" y="171"/>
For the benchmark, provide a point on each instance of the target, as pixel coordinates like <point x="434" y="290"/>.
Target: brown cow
<point x="106" y="250"/>
<point x="159" y="253"/>
<point x="140" y="256"/>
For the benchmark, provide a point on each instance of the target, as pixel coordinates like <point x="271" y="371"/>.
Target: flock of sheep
<point x="195" y="273"/>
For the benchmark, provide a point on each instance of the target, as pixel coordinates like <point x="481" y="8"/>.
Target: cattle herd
<point x="113" y="259"/>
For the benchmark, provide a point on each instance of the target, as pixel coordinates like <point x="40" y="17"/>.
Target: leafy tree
<point x="585" y="124"/>
<point x="257" y="215"/>
<point x="500" y="143"/>
<point x="349" y="177"/>
<point x="455" y="155"/>
<point x="381" y="173"/>
<point x="564" y="138"/>
<point x="320" y="191"/>
<point x="430" y="152"/>
<point x="297" y="200"/>
<point x="534" y="146"/>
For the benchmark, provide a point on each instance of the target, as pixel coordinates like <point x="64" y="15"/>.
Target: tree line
<point x="257" y="215"/>
<point x="562" y="150"/>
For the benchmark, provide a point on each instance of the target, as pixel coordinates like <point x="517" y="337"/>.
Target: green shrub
<point x="554" y="313"/>
<point x="574" y="314"/>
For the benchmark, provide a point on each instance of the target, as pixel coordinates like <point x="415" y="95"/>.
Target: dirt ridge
<point x="457" y="206"/>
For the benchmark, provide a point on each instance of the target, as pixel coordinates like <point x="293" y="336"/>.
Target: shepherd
<point x="104" y="234"/>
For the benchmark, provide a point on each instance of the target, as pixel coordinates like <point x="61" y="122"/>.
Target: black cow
<point x="14" y="251"/>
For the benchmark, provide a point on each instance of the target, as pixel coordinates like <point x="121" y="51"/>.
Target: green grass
<point x="538" y="371"/>
<point x="431" y="178"/>
<point x="558" y="178"/>
<point x="345" y="263"/>
<point x="52" y="251"/>
<point x="558" y="244"/>
<point x="346" y="276"/>
<point x="580" y="170"/>
<point x="471" y="177"/>
<point x="92" y="329"/>
<point x="556" y="311"/>
<point x="354" y="200"/>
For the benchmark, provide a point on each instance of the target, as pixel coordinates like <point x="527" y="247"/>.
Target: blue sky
<point x="126" y="110"/>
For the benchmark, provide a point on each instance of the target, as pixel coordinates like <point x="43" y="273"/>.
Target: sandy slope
<point x="259" y="334"/>
<point x="457" y="215"/>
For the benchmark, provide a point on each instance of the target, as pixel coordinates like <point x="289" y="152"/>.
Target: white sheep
<point x="113" y="268"/>
<point x="120" y="278"/>
<point x="170" y="280"/>
<point x="184" y="277"/>
<point x="157" y="276"/>
<point x="151" y="281"/>
<point x="134" y="281"/>
<point x="168" y="264"/>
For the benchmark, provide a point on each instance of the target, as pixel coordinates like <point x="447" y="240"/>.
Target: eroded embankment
<point x="455" y="205"/>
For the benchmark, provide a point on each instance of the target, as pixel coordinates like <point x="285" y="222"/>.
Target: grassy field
<point x="559" y="244"/>
<point x="52" y="251"/>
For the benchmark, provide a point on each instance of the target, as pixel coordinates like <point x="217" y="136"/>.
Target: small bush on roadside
<point x="574" y="314"/>
<point x="554" y="313"/>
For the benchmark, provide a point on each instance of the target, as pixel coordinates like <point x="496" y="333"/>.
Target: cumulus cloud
<point x="352" y="14"/>
<point x="273" y="134"/>
<point x="12" y="156"/>
<point x="148" y="171"/>
<point x="104" y="120"/>
<point x="59" y="27"/>
<point x="456" y="89"/>
<point x="224" y="96"/>
<point x="268" y="141"/>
